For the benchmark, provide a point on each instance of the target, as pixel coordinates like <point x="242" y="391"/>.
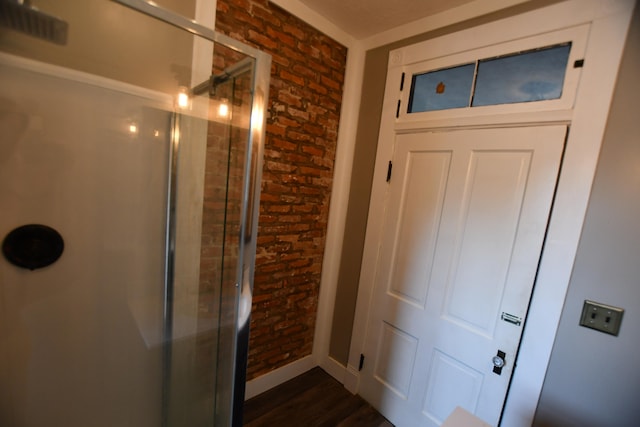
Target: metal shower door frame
<point x="251" y="189"/>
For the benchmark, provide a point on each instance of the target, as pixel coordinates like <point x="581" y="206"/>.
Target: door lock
<point x="498" y="362"/>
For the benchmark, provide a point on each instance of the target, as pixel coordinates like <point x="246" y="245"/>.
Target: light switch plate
<point x="601" y="317"/>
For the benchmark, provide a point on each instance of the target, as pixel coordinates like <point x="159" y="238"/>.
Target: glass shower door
<point x="136" y="144"/>
<point x="211" y="242"/>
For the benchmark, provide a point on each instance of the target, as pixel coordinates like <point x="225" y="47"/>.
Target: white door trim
<point x="609" y="22"/>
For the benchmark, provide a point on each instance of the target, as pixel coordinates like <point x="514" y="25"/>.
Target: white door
<point x="466" y="214"/>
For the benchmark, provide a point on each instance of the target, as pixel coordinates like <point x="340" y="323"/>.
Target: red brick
<point x="303" y="70"/>
<point x="265" y="15"/>
<point x="279" y="167"/>
<point x="328" y="82"/>
<point x="297" y="31"/>
<point x="274" y="33"/>
<point x="292" y="78"/>
<point x="286" y="122"/>
<point x="284" y="144"/>
<point x="255" y="23"/>
<point x="309" y="49"/>
<point x="313" y="129"/>
<point x="276" y="129"/>
<point x="319" y="89"/>
<point x="279" y="60"/>
<point x="289" y="99"/>
<point x="262" y="40"/>
<point x="299" y="136"/>
<point x="298" y="113"/>
<point x="293" y="54"/>
<point x="314" y="151"/>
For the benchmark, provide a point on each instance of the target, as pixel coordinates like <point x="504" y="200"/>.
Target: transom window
<point x="529" y="76"/>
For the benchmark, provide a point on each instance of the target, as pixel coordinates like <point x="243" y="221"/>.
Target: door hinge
<point x="402" y="82"/>
<point x="361" y="362"/>
<point x="389" y="171"/>
<point x="398" y="109"/>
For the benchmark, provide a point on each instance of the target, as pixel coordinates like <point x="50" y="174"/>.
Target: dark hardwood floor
<point x="311" y="399"/>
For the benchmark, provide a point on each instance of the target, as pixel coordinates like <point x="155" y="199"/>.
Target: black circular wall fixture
<point x="32" y="246"/>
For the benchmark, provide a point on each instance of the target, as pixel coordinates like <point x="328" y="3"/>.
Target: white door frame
<point x="609" y="22"/>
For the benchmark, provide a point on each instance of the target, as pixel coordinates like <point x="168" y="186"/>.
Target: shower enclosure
<point x="130" y="159"/>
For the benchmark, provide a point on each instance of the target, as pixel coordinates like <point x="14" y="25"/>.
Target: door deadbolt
<point x="498" y="362"/>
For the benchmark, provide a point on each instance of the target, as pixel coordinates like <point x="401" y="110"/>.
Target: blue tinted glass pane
<point x="529" y="76"/>
<point x="442" y="89"/>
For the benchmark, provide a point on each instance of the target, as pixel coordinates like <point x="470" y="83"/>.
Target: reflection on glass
<point x="442" y="89"/>
<point x="530" y="76"/>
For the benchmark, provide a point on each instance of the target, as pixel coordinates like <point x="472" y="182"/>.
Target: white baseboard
<point x="278" y="376"/>
<point x="334" y="368"/>
<point x="351" y="379"/>
<point x="347" y="375"/>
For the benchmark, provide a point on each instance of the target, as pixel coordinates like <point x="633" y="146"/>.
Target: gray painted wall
<point x="594" y="378"/>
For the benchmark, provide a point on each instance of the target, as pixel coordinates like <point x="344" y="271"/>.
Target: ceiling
<point x="364" y="18"/>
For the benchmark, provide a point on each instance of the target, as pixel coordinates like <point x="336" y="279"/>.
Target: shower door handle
<point x="244" y="303"/>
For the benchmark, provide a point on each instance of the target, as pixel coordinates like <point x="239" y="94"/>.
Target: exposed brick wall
<point x="307" y="76"/>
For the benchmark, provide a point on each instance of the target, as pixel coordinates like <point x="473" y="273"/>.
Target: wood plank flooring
<point x="313" y="399"/>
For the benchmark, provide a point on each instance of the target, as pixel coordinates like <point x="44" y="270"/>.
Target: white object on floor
<point x="461" y="418"/>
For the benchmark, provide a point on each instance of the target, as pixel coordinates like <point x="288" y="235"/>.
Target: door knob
<point x="498" y="362"/>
